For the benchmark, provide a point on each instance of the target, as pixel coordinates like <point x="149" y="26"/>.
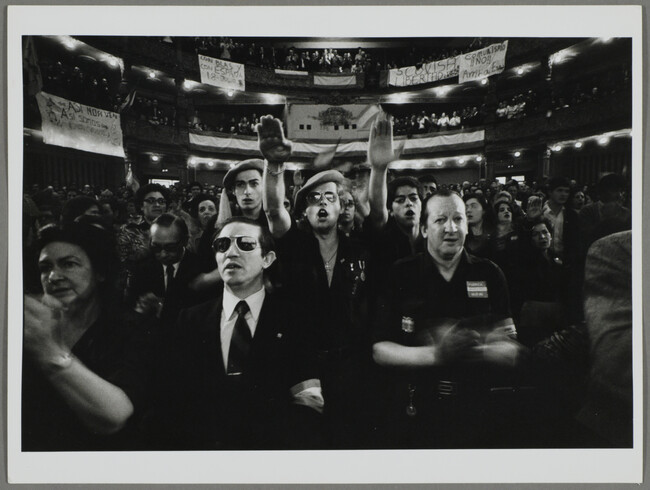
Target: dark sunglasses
<point x="243" y="243"/>
<point x="316" y="197"/>
<point x="169" y="247"/>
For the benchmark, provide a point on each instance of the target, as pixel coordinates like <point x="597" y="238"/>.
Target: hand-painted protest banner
<point x="221" y="73"/>
<point x="330" y="122"/>
<point x="73" y="125"/>
<point x="427" y="73"/>
<point x="482" y="63"/>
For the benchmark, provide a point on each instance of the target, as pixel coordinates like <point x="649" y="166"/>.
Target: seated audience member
<point x="159" y="284"/>
<point x="607" y="411"/>
<point x="445" y="331"/>
<point x="480" y="225"/>
<point x="85" y="371"/>
<point x="239" y="372"/>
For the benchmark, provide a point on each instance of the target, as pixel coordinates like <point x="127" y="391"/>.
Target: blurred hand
<point x="42" y="328"/>
<point x="272" y="143"/>
<point x="460" y="345"/>
<point x="149" y="304"/>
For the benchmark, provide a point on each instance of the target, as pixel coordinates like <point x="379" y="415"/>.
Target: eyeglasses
<point x="168" y="247"/>
<point x="348" y="204"/>
<point x="402" y="199"/>
<point x="243" y="243"/>
<point x="152" y="200"/>
<point x="316" y="197"/>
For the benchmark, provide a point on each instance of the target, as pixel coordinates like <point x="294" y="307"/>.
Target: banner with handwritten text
<point x="427" y="73"/>
<point x="221" y="73"/>
<point x="482" y="63"/>
<point x="73" y="125"/>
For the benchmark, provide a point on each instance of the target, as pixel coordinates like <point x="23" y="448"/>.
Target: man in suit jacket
<point x="160" y="283"/>
<point x="239" y="370"/>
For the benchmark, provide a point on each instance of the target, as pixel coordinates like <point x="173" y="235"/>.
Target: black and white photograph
<point x="325" y="245"/>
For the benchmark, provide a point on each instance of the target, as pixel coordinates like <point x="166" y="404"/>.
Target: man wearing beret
<point x="325" y="270"/>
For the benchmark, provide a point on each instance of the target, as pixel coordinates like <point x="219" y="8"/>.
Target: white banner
<point x="330" y="122"/>
<point x="482" y="63"/>
<point x="429" y="72"/>
<point x="221" y="73"/>
<point x="73" y="125"/>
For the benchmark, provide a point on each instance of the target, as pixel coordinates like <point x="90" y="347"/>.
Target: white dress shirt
<point x="307" y="392"/>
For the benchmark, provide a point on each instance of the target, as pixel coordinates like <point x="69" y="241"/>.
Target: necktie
<point x="170" y="276"/>
<point x="240" y="342"/>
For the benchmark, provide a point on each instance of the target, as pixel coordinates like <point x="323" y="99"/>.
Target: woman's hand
<point x="42" y="329"/>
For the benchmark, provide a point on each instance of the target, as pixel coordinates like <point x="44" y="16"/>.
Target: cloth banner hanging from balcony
<point x="482" y="63"/>
<point x="73" y="125"/>
<point x="221" y="73"/>
<point x="469" y="66"/>
<point x="339" y="81"/>
<point x="330" y="122"/>
<point x="247" y="146"/>
<point x="427" y="73"/>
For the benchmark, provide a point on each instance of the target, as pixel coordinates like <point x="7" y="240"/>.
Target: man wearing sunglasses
<point x="159" y="284"/>
<point x="241" y="371"/>
<point x="325" y="270"/>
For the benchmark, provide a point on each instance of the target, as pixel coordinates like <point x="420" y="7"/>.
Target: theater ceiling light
<point x="604" y="140"/>
<point x="578" y="144"/>
<point x="517" y="154"/>
<point x="210" y="164"/>
<point x="520" y="71"/>
<point x="230" y="93"/>
<point x="479" y="158"/>
<point x="155" y="158"/>
<point x="152" y="74"/>
<point x="484" y="81"/>
<point x="557" y="148"/>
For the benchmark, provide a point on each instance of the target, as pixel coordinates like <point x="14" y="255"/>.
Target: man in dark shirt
<point x="445" y="332"/>
<point x="324" y="269"/>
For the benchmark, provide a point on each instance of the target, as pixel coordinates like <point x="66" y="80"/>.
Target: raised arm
<point x="276" y="150"/>
<point x="380" y="154"/>
<point x="100" y="405"/>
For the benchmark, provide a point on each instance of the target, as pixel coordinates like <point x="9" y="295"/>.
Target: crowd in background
<point x="328" y="60"/>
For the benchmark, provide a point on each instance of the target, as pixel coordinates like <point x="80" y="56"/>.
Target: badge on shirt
<point x="477" y="289"/>
<point x="408" y="325"/>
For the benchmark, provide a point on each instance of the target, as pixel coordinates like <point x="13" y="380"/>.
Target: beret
<point x="250" y="164"/>
<point x="316" y="180"/>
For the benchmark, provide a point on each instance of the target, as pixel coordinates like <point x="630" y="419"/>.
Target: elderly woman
<point x="85" y="361"/>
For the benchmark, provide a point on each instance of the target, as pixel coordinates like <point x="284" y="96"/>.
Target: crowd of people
<point x="362" y="312"/>
<point x="423" y="123"/>
<point x="521" y="105"/>
<point x="328" y="60"/>
<point x="95" y="87"/>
